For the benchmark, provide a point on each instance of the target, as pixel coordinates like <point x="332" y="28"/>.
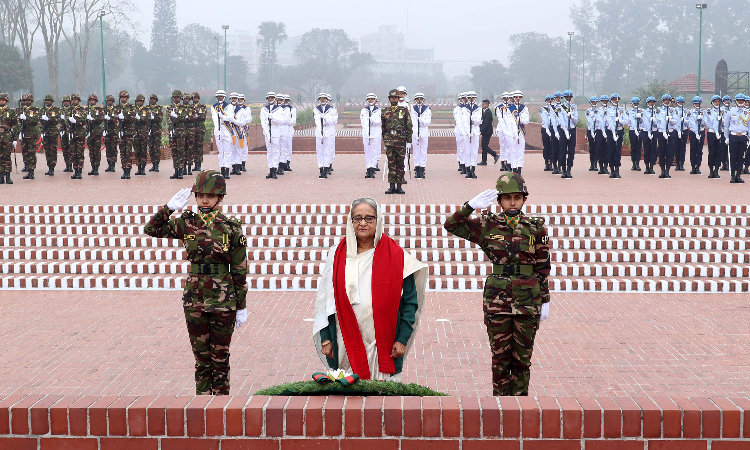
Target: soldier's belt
<point x="508" y="270"/>
<point x="209" y="269"/>
<point x="397" y="133"/>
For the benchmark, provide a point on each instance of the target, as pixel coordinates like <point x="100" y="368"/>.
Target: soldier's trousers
<point x="177" y="144"/>
<point x="592" y="147"/>
<point x="511" y="344"/>
<point x="210" y="335"/>
<point x="140" y="148"/>
<point x="28" y="150"/>
<point x="665" y="151"/>
<point x="614" y="148"/>
<point x="601" y="147"/>
<point x="198" y="137"/>
<point x="649" y="147"/>
<point x="95" y="149"/>
<point x="546" y="150"/>
<point x="724" y="151"/>
<point x="635" y="146"/>
<point x="65" y="147"/>
<point x="6" y="148"/>
<point x="554" y="147"/>
<point x="189" y="145"/>
<point x="154" y="146"/>
<point x="714" y="156"/>
<point x="696" y="149"/>
<point x="396" y="155"/>
<point x="77" y="148"/>
<point x="681" y="147"/>
<point x="49" y="142"/>
<point x="567" y="149"/>
<point x="110" y="145"/>
<point x="126" y="150"/>
<point x="667" y="159"/>
<point x="737" y="147"/>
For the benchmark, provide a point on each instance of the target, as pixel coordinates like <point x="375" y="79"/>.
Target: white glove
<point x="120" y="116"/>
<point x="44" y="117"/>
<point x="241" y="318"/>
<point x="484" y="200"/>
<point x="106" y="117"/>
<point x="105" y="133"/>
<point x="557" y="135"/>
<point x="639" y="115"/>
<point x="22" y="116"/>
<point x="62" y="116"/>
<point x="152" y="117"/>
<point x="570" y="114"/>
<point x="408" y="147"/>
<point x="222" y="116"/>
<point x="545" y="311"/>
<point x="88" y="117"/>
<point x="726" y="140"/>
<point x="14" y="144"/>
<point x="173" y="114"/>
<point x="137" y="117"/>
<point x="700" y="116"/>
<point x="179" y="200"/>
<point x="72" y="119"/>
<point x="546" y="130"/>
<point x="616" y="137"/>
<point x="20" y="137"/>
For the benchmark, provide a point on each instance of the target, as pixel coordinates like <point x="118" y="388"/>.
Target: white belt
<point x="660" y="130"/>
<point x="738" y="133"/>
<point x="711" y="131"/>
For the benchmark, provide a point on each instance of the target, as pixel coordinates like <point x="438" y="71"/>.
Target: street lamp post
<point x="225" y="27"/>
<point x="701" y="7"/>
<point x="570" y="53"/>
<point x="218" y="84"/>
<point x="104" y="75"/>
<point x="583" y="68"/>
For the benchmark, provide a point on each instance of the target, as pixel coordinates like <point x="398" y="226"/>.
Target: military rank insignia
<point x="531" y="241"/>
<point x="243" y="241"/>
<point x="225" y="242"/>
<point x="545" y="240"/>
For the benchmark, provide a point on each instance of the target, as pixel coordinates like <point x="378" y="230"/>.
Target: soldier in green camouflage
<point x="77" y="116"/>
<point x="396" y="130"/>
<point x="110" y="133"/>
<point x="156" y="117"/>
<point x="200" y="110"/>
<point x="189" y="133"/>
<point x="140" y="139"/>
<point x="516" y="294"/>
<point x="63" y="129"/>
<point x="126" y="113"/>
<point x="29" y="117"/>
<point x="50" y="120"/>
<point x="215" y="290"/>
<point x="177" y="116"/>
<point x="95" y="125"/>
<point x="8" y="125"/>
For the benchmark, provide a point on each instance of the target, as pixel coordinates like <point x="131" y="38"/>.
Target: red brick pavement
<point x="135" y="343"/>
<point x="444" y="185"/>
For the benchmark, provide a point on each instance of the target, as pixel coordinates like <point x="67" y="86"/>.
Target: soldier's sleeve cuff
<point x="466" y="209"/>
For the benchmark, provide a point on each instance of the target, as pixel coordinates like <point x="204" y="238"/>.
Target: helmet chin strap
<point x="205" y="209"/>
<point x="511" y="212"/>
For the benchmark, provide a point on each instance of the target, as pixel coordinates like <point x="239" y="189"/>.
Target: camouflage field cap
<point x="49" y="97"/>
<point x="66" y="98"/>
<point x="75" y="97"/>
<point x="393" y="93"/>
<point x="27" y="97"/>
<point x="153" y="97"/>
<point x="93" y="97"/>
<point x="124" y="94"/>
<point x="3" y="96"/>
<point x="187" y="96"/>
<point x="510" y="183"/>
<point x="210" y="182"/>
<point x="196" y="95"/>
<point x="176" y="93"/>
<point x="140" y="98"/>
<point x="110" y="97"/>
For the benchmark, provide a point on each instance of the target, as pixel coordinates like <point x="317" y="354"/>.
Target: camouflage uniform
<point x="8" y="125"/>
<point x="514" y="293"/>
<point x="200" y="111"/>
<point x="77" y="136"/>
<point x="64" y="138"/>
<point x="110" y="134"/>
<point x="189" y="133"/>
<point x="30" y="130"/>
<point x="96" y="130"/>
<point x="126" y="132"/>
<point x="396" y="130"/>
<point x="177" y="134"/>
<point x="49" y="133"/>
<point x="216" y="287"/>
<point x="140" y="139"/>
<point x="156" y="118"/>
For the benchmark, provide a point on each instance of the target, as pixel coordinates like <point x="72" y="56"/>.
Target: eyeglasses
<point x="368" y="219"/>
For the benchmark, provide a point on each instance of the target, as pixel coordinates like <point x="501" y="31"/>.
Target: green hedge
<point x="362" y="387"/>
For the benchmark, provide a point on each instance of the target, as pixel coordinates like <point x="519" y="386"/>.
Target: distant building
<point x="244" y="43"/>
<point x="388" y="47"/>
<point x="285" y="51"/>
<point x="689" y="84"/>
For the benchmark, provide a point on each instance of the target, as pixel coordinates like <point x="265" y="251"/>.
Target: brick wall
<point x="144" y="423"/>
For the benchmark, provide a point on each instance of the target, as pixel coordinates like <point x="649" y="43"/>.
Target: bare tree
<point x="16" y="24"/>
<point x="49" y="16"/>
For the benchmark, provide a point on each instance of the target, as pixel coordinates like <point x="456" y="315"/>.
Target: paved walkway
<point x="135" y="343"/>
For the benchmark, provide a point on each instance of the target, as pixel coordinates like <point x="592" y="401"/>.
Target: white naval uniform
<point x="223" y="133"/>
<point x="272" y="120"/>
<point x="241" y="117"/>
<point x="517" y="134"/>
<point x="286" y="153"/>
<point x="502" y="113"/>
<point x="326" y="118"/>
<point x="458" y="114"/>
<point x="421" y="117"/>
<point x="472" y="119"/>
<point x="372" y="138"/>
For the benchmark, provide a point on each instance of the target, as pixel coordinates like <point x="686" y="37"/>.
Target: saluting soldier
<point x="50" y="120"/>
<point x="200" y="111"/>
<point x="178" y="115"/>
<point x="397" y="131"/>
<point x="516" y="294"/>
<point x="95" y="125"/>
<point x="29" y="116"/>
<point x="110" y="133"/>
<point x="214" y="295"/>
<point x="140" y="139"/>
<point x="126" y="114"/>
<point x="8" y="130"/>
<point x="155" y="119"/>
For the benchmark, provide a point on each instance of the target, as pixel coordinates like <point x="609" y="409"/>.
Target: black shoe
<point x="271" y="173"/>
<point x="470" y="172"/>
<point x="693" y="171"/>
<point x="556" y="170"/>
<point x="680" y="167"/>
<point x="482" y="163"/>
<point x="714" y="173"/>
<point x="746" y="170"/>
<point x="405" y="182"/>
<point x="424" y="170"/>
<point x="239" y="169"/>
<point x="279" y="171"/>
<point x="25" y="169"/>
<point x="737" y="178"/>
<point x="547" y="165"/>
<point x="77" y="174"/>
<point x="226" y="169"/>
<point x="2" y="177"/>
<point x="126" y="174"/>
<point x="29" y="175"/>
<point x="110" y="167"/>
<point x="392" y="189"/>
<point x="370" y="173"/>
<point x="399" y="190"/>
<point x="287" y="166"/>
<point x="724" y="167"/>
<point x="94" y="171"/>
<point x="234" y="169"/>
<point x="615" y="172"/>
<point x="141" y="170"/>
<point x="377" y="169"/>
<point x="638" y="166"/>
<point x="153" y="167"/>
<point x="593" y="167"/>
<point x="497" y="157"/>
<point x="330" y="168"/>
<point x="635" y="166"/>
<point x="68" y="167"/>
<point x="323" y="172"/>
<point x="176" y="175"/>
<point x="732" y="177"/>
<point x="51" y="171"/>
<point x="462" y="168"/>
<point x="198" y="166"/>
<point x="7" y="178"/>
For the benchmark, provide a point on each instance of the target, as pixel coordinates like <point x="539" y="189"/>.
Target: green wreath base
<point x="362" y="388"/>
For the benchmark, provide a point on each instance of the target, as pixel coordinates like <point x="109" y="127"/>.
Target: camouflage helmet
<point x="66" y="98"/>
<point x="153" y="97"/>
<point x="49" y="97"/>
<point x="187" y="96"/>
<point x="210" y="182"/>
<point x="195" y="94"/>
<point x="140" y="98"/>
<point x="511" y="182"/>
<point x="110" y="97"/>
<point x="75" y="97"/>
<point x="177" y="93"/>
<point x="93" y="97"/>
<point x="393" y="93"/>
<point x="124" y="93"/>
<point x="28" y="97"/>
<point x="4" y="96"/>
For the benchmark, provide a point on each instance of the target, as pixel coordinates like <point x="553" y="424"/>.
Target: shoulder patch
<point x="545" y="239"/>
<point x="188" y="214"/>
<point x="538" y="221"/>
<point x="243" y="241"/>
<point x="234" y="221"/>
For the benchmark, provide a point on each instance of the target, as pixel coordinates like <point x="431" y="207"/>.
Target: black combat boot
<point x="392" y="189"/>
<point x="239" y="169"/>
<point x="399" y="190"/>
<point x="94" y="171"/>
<point x="714" y="172"/>
<point x="2" y="177"/>
<point x="369" y="173"/>
<point x="156" y="169"/>
<point x="737" y="178"/>
<point x="243" y="169"/>
<point x="197" y="167"/>
<point x="29" y="174"/>
<point x="287" y="167"/>
<point x="25" y="168"/>
<point x="272" y="173"/>
<point x="732" y="177"/>
<point x="330" y="168"/>
<point x="140" y="170"/>
<point x="634" y="166"/>
<point x="68" y="167"/>
<point x="470" y="172"/>
<point x="176" y="175"/>
<point x="592" y="167"/>
<point x="462" y="168"/>
<point x="377" y="169"/>
<point x="638" y="166"/>
<point x="226" y="172"/>
<point x="153" y="167"/>
<point x="76" y="174"/>
<point x="556" y="169"/>
<point x="424" y="170"/>
<point x="547" y="165"/>
<point x="126" y="174"/>
<point x="7" y="178"/>
<point x="280" y="170"/>
<point x="724" y="167"/>
<point x="746" y="170"/>
<point x="51" y="171"/>
<point x="323" y="173"/>
<point x="110" y="167"/>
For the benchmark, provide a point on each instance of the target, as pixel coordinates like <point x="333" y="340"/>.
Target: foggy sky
<point x="472" y="31"/>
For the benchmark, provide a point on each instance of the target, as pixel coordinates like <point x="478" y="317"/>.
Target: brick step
<point x="311" y="255"/>
<point x="560" y="284"/>
<point x="435" y="269"/>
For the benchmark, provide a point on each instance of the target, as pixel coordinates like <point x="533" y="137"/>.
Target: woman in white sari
<point x="370" y="296"/>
